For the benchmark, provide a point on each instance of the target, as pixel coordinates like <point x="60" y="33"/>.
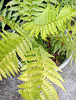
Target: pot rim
<point x="66" y="61"/>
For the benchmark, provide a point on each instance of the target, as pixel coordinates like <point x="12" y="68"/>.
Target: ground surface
<point x="8" y="88"/>
<point x="69" y="75"/>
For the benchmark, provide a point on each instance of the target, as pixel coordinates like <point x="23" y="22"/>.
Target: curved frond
<point x="50" y="21"/>
<point x="11" y="44"/>
<point x="37" y="74"/>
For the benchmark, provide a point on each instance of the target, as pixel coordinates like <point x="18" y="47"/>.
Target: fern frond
<point x="72" y="3"/>
<point x="27" y="9"/>
<point x="14" y="8"/>
<point x="50" y="21"/>
<point x="11" y="44"/>
<point x="37" y="74"/>
<point x="1" y="4"/>
<point x="11" y="23"/>
<point x="8" y="13"/>
<point x="31" y="9"/>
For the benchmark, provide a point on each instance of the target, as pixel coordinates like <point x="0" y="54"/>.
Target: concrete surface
<point x="9" y="90"/>
<point x="8" y="87"/>
<point x="69" y="76"/>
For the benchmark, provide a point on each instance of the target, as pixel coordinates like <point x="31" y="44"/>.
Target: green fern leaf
<point x="9" y="45"/>
<point x="31" y="10"/>
<point x="37" y="75"/>
<point x="52" y="20"/>
<point x="8" y="12"/>
<point x="28" y="10"/>
<point x="1" y="4"/>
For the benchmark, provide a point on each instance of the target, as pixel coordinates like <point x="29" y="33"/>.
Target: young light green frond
<point x="50" y="21"/>
<point x="11" y="44"/>
<point x="37" y="76"/>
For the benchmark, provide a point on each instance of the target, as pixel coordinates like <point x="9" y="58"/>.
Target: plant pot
<point x="67" y="60"/>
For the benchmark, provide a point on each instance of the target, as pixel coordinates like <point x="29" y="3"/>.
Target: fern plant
<point x="42" y="17"/>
